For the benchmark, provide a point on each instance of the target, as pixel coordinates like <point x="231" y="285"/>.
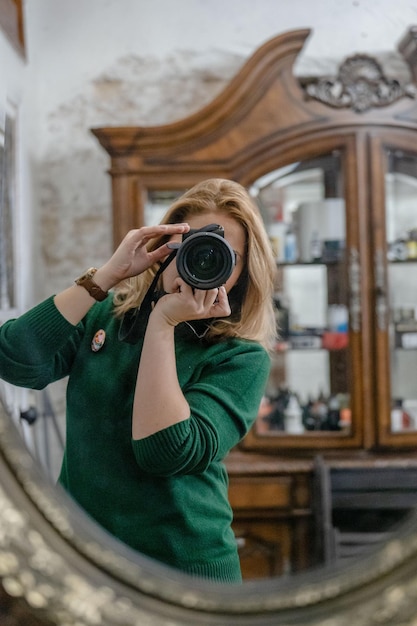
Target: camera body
<point x="205" y="259"/>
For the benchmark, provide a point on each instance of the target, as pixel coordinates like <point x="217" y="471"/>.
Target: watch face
<point x="88" y="274"/>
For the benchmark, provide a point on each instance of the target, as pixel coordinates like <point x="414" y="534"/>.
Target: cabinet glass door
<point x="157" y="204"/>
<point x="308" y="395"/>
<point x="401" y="235"/>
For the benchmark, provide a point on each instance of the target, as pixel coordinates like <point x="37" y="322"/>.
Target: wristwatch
<point x="86" y="281"/>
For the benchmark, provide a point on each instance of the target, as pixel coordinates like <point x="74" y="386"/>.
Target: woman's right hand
<point x="132" y="257"/>
<point x="186" y="304"/>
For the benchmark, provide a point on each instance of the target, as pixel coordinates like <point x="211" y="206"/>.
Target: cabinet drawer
<point x="254" y="493"/>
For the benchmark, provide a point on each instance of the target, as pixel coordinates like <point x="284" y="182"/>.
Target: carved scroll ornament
<point x="360" y="85"/>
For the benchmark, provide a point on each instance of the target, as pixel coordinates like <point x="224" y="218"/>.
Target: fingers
<point x="201" y="295"/>
<point x="184" y="303"/>
<point x="221" y="305"/>
<point x="204" y="298"/>
<point x="211" y="301"/>
<point x="217" y="296"/>
<point x="135" y="241"/>
<point x="146" y="233"/>
<point x="216" y="302"/>
<point x="160" y="253"/>
<point x="222" y="295"/>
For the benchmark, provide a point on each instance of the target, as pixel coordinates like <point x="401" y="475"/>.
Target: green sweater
<point x="165" y="495"/>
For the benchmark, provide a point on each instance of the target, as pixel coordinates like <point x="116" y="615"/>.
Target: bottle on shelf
<point x="291" y="247"/>
<point x="293" y="416"/>
<point x="276" y="233"/>
<point x="400" y="418"/>
<point x="282" y="316"/>
<point x="333" y="415"/>
<point x="316" y="247"/>
<point x="338" y="318"/>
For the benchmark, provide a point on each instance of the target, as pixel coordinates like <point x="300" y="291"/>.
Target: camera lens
<point x="205" y="260"/>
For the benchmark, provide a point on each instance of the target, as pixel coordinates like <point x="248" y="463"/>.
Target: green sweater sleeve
<point x="37" y="348"/>
<point x="224" y="396"/>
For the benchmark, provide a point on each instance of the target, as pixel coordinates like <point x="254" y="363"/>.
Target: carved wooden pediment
<point x="360" y="85"/>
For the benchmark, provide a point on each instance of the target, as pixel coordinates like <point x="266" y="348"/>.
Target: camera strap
<point x="134" y="322"/>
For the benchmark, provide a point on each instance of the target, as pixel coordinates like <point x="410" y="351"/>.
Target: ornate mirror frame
<point x="57" y="566"/>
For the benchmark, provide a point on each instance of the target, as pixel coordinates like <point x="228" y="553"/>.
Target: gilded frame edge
<point x="70" y="572"/>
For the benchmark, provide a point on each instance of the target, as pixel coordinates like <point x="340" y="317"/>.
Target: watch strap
<point x="86" y="281"/>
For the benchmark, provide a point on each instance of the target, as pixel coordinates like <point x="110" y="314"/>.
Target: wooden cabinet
<point x="333" y="164"/>
<point x="273" y="514"/>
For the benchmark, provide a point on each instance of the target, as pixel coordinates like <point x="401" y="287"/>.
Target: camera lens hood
<point x="205" y="260"/>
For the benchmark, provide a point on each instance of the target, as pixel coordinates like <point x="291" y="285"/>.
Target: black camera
<point x="205" y="259"/>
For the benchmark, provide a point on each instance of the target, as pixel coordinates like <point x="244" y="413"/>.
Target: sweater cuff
<point x="158" y="453"/>
<point x="46" y="325"/>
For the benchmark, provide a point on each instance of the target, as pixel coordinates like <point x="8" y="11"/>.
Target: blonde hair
<point x="251" y="298"/>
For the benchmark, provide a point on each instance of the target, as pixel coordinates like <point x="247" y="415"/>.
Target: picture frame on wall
<point x="12" y="23"/>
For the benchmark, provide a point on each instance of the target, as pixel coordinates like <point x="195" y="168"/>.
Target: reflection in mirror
<point x="157" y="204"/>
<point x="311" y="289"/>
<point x="401" y="220"/>
<point x="160" y="387"/>
<point x="304" y="211"/>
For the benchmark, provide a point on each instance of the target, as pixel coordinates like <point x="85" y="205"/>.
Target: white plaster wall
<point x="86" y="37"/>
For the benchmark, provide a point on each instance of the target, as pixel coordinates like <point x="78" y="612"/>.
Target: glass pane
<point x="157" y="204"/>
<point x="304" y="212"/>
<point x="401" y="220"/>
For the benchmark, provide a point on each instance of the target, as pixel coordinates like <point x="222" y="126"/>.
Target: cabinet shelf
<point x="283" y="349"/>
<point x="310" y="263"/>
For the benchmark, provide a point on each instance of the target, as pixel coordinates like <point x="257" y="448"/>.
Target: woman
<point x="150" y="422"/>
